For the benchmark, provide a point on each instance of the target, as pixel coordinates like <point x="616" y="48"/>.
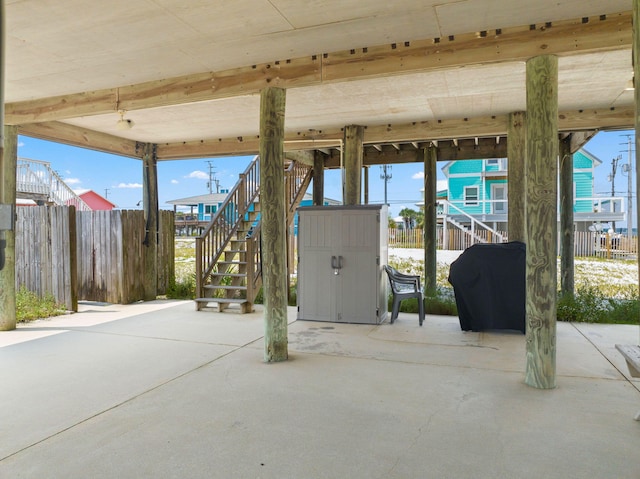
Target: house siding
<point x="465" y="166"/>
<point x="583" y="181"/>
<point x="465" y="173"/>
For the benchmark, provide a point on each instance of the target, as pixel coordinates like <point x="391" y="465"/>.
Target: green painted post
<point x="274" y="248"/>
<point x="541" y="218"/>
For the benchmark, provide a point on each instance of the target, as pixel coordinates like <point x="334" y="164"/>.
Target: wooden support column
<point x="541" y="218"/>
<point x="352" y="157"/>
<point x="150" y="200"/>
<point x="274" y="248"/>
<point x="430" y="219"/>
<point x="318" y="178"/>
<point x="516" y="154"/>
<point x="567" y="278"/>
<point x="366" y="185"/>
<point x="8" y="161"/>
<point x="636" y="81"/>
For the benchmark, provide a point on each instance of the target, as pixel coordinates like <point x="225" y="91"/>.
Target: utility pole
<point x="106" y="193"/>
<point x="386" y="176"/>
<point x="212" y="179"/>
<point x="612" y="179"/>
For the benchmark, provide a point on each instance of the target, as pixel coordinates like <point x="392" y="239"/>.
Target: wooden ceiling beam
<point x="504" y="45"/>
<point x="81" y="137"/>
<point x="570" y="121"/>
<point x="512" y="44"/>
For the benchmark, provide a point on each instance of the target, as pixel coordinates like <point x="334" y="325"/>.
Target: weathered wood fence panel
<point x="109" y="254"/>
<point x="43" y="252"/>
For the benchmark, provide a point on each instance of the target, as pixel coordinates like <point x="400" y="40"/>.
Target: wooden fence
<point x="586" y="243"/>
<point x="44" y="259"/>
<point x="104" y="248"/>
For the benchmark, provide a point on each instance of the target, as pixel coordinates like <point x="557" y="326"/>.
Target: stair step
<point x="232" y="262"/>
<point x="245" y="306"/>
<point x="230" y="275"/>
<point x="225" y="287"/>
<point x="221" y="300"/>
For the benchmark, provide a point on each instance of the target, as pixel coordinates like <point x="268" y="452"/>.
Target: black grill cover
<point x="488" y="281"/>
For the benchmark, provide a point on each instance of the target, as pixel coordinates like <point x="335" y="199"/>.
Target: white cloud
<point x="200" y="175"/>
<point x="174" y="182"/>
<point x="441" y="185"/>
<point x="20" y="144"/>
<point x="128" y="185"/>
<point x="72" y="181"/>
<point x="418" y="176"/>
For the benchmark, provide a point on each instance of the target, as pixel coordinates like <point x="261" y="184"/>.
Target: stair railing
<point x="475" y="223"/>
<point x="210" y="245"/>
<point x="36" y="178"/>
<point x="297" y="178"/>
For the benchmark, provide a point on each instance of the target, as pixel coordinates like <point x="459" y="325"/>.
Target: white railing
<point x="446" y="209"/>
<point x="35" y="177"/>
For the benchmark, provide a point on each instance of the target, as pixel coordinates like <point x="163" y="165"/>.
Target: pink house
<point x="95" y="201"/>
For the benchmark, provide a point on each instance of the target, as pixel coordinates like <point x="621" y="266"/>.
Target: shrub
<point x="184" y="288"/>
<point x="590" y="305"/>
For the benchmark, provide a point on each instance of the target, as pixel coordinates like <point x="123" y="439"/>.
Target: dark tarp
<point x="489" y="284"/>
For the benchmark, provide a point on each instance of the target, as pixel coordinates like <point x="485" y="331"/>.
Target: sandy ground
<point x="416" y="254"/>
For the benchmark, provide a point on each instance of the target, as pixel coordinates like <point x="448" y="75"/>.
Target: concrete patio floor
<point x="158" y="390"/>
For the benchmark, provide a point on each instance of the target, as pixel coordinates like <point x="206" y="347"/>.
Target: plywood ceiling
<point x="69" y="60"/>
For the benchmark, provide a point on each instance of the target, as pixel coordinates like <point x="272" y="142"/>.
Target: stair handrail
<point x="225" y="222"/>
<point x="474" y="221"/>
<point x="297" y="180"/>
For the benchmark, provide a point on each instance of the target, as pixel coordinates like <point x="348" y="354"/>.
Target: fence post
<point x="73" y="260"/>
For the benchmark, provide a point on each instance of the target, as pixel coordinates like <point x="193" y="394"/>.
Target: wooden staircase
<point x="228" y="256"/>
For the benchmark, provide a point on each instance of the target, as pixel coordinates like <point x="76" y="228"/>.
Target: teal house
<point x="477" y="190"/>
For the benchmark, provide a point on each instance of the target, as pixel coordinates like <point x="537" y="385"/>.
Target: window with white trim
<point x="471" y="196"/>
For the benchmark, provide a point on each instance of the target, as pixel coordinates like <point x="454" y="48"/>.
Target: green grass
<point x="30" y="307"/>
<point x="590" y="305"/>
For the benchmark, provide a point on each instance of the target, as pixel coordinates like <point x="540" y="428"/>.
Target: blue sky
<point x="120" y="179"/>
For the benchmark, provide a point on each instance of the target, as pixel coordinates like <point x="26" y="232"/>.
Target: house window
<point x="471" y="196"/>
<point x="209" y="209"/>
<point x="501" y="163"/>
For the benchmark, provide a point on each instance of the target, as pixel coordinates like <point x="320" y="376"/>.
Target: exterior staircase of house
<point x="475" y="226"/>
<point x="228" y="255"/>
<point x="35" y="180"/>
